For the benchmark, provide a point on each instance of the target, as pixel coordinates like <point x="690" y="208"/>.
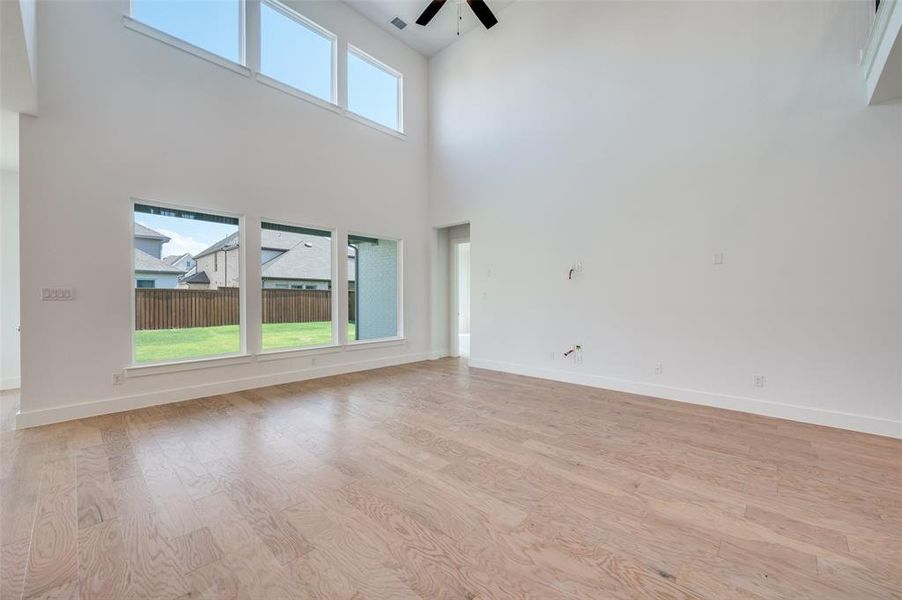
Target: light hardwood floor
<point x="434" y="481"/>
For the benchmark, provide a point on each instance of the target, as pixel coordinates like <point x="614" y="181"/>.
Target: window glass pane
<point x="297" y="286"/>
<point x="372" y="92"/>
<point x="214" y="25"/>
<point x="295" y="54"/>
<point x="187" y="280"/>
<point x="372" y="288"/>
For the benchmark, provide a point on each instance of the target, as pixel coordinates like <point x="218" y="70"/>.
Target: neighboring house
<point x="195" y="281"/>
<point x="149" y="241"/>
<point x="289" y="261"/>
<point x="185" y="262"/>
<point x="150" y="271"/>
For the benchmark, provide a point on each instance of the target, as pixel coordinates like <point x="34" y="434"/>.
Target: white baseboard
<point x="437" y="354"/>
<point x="805" y="414"/>
<point x="58" y="414"/>
<point x="10" y="383"/>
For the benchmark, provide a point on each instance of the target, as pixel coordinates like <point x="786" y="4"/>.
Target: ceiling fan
<point x="479" y="8"/>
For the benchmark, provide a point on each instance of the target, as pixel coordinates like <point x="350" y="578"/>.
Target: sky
<point x="187" y="235"/>
<point x="290" y="52"/>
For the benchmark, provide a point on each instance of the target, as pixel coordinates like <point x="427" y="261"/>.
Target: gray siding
<point x="152" y="247"/>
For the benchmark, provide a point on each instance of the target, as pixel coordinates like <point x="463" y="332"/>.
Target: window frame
<point x="400" y="333"/>
<point x="152" y="367"/>
<point x="303" y="21"/>
<point x="334" y="298"/>
<point x="352" y="49"/>
<point x="133" y="22"/>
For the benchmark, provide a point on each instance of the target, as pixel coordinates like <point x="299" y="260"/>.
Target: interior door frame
<point x="454" y="287"/>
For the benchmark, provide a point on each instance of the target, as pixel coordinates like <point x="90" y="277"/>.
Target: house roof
<point x="197" y="278"/>
<point x="146" y="263"/>
<point x="146" y="232"/>
<point x="309" y="258"/>
<point x="303" y="256"/>
<point x="231" y="240"/>
<point x="174" y="258"/>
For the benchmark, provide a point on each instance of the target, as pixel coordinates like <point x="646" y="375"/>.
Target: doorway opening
<point x="461" y="314"/>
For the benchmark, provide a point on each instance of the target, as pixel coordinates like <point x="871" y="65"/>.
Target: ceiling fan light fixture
<point x="479" y="8"/>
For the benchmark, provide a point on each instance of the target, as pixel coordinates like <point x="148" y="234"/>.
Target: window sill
<point x="187" y="365"/>
<point x="153" y="32"/>
<point x="293" y="91"/>
<point x="286" y="353"/>
<point x="377" y="126"/>
<point x="380" y="343"/>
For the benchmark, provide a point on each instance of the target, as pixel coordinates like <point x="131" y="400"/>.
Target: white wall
<point x="9" y="250"/>
<point x="122" y="116"/>
<point x="642" y="138"/>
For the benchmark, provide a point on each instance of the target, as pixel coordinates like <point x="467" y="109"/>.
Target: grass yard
<point x="177" y="344"/>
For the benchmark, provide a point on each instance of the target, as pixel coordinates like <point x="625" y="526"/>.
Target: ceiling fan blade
<point x="430" y="11"/>
<point x="483" y="12"/>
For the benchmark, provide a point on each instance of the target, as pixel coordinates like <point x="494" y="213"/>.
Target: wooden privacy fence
<point x="183" y="308"/>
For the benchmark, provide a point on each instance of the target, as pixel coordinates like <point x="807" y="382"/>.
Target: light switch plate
<point x="56" y="294"/>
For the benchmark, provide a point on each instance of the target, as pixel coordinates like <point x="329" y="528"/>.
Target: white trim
<point x="68" y="412"/>
<point x="162" y="368"/>
<point x="316" y="28"/>
<point x="377" y="126"/>
<point x="876" y="53"/>
<point x="437" y="354"/>
<point x="377" y="343"/>
<point x="805" y="414"/>
<point x="283" y="353"/>
<point x="242" y="32"/>
<point x="352" y="49"/>
<point x="298" y="93"/>
<point x="152" y="32"/>
<point x="10" y="383"/>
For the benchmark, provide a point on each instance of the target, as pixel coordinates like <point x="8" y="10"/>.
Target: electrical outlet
<point x="552" y="355"/>
<point x="118" y="378"/>
<point x="717" y="259"/>
<point x="758" y="381"/>
<point x="659" y="369"/>
<point x="578" y="267"/>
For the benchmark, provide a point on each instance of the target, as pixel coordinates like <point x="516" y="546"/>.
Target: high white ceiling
<point x="440" y="32"/>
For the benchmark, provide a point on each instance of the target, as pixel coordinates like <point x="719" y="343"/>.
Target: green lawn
<point x="178" y="344"/>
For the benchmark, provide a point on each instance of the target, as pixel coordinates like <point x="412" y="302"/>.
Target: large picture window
<point x="374" y="90"/>
<point x="187" y="281"/>
<point x="296" y="52"/>
<point x="374" y="292"/>
<point x="297" y="286"/>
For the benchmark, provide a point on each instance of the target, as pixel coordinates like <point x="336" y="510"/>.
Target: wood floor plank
<point x="433" y="480"/>
<point x="152" y="559"/>
<point x="52" y="568"/>
<point x="13" y="562"/>
<point x="102" y="561"/>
